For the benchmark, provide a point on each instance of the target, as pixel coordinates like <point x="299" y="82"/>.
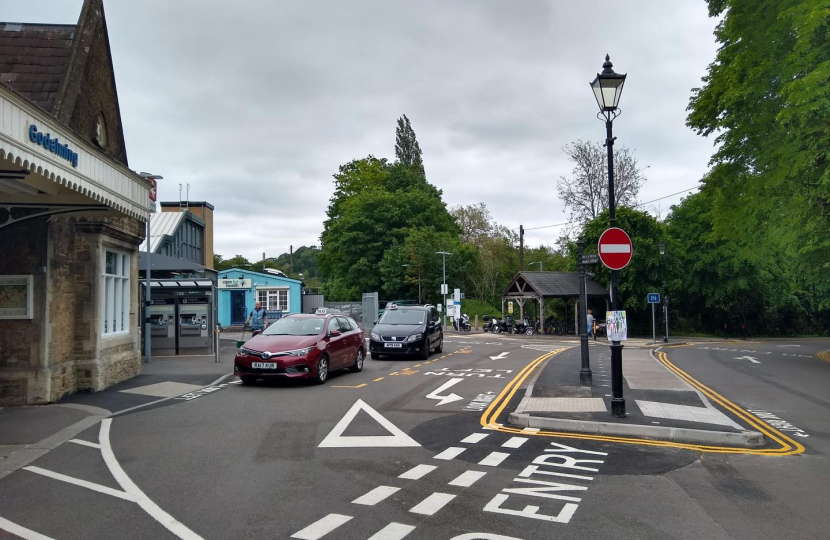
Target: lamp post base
<point x="617" y="400"/>
<point x="586" y="378"/>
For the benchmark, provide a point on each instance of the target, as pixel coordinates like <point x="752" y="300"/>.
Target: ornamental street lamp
<point x="662" y="247"/>
<point x="585" y="376"/>
<point x="607" y="87"/>
<point x="148" y="295"/>
<point x="419" y="280"/>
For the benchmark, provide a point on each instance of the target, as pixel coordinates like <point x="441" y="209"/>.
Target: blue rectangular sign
<point x="653" y="298"/>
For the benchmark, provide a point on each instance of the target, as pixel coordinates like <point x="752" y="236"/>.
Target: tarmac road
<point x="399" y="451"/>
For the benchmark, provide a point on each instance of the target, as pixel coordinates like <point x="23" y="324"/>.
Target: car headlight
<point x="246" y="352"/>
<point x="301" y="352"/>
<point x="414" y="337"/>
<point x="375" y="336"/>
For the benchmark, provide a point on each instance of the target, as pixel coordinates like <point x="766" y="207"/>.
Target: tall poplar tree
<point x="407" y="150"/>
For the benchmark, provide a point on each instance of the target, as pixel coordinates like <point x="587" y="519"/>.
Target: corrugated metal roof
<point x="162" y="224"/>
<point x="554" y="284"/>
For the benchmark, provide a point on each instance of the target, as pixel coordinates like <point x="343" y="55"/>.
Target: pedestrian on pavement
<point x="591" y="323"/>
<point x="258" y="318"/>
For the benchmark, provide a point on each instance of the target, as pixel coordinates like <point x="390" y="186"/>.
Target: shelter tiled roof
<point x="553" y="285"/>
<point x="33" y="59"/>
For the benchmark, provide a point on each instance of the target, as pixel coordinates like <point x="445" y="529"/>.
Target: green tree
<point x="765" y="98"/>
<point x="237" y="261"/>
<point x="407" y="149"/>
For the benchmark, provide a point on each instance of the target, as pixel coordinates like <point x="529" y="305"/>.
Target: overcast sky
<point x="255" y="104"/>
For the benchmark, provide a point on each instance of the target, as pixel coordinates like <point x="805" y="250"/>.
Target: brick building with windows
<point x="72" y="214"/>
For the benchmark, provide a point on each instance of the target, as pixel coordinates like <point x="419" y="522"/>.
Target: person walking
<point x="591" y="324"/>
<point x="258" y="318"/>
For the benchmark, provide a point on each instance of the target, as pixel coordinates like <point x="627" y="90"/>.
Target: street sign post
<point x="615" y="248"/>
<point x="653" y="298"/>
<point x="590" y="258"/>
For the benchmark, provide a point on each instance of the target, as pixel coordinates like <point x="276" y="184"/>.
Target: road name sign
<point x="653" y="298"/>
<point x="615" y="248"/>
<point x="590" y="258"/>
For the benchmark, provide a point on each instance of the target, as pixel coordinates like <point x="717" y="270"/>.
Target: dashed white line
<point x="321" y="527"/>
<point x="417" y="472"/>
<point x="450" y="453"/>
<point x="376" y="495"/>
<point x="82" y="483"/>
<point x="22" y="532"/>
<point x="432" y="504"/>
<point x="393" y="531"/>
<point x="514" y="442"/>
<point x="467" y="478"/>
<point x="494" y="459"/>
<point x="85" y="443"/>
<point x="474" y="438"/>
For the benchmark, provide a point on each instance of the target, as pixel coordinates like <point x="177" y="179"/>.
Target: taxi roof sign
<point x="321" y="311"/>
<point x="392" y="306"/>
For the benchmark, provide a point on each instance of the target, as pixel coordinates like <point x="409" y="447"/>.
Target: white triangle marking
<point x="336" y="439"/>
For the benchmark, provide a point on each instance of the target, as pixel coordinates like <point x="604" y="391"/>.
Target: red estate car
<point x="302" y="346"/>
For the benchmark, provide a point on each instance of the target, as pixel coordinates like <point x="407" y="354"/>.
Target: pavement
<point x="425" y="449"/>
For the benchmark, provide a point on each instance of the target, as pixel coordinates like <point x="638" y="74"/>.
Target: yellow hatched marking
<point x="358" y="386"/>
<point x="378" y="379"/>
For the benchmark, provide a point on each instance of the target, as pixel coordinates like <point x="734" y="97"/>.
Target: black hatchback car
<point x="407" y="330"/>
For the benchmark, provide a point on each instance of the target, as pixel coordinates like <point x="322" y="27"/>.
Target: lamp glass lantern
<point x="662" y="247"/>
<point x="608" y="86"/>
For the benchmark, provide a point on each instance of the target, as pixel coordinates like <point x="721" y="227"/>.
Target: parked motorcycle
<point x="498" y="326"/>
<point x="488" y="324"/>
<point x="463" y="323"/>
<point x="523" y="327"/>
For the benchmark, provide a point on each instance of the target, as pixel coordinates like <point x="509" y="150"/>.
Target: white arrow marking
<point x="445" y="399"/>
<point x="336" y="439"/>
<point x="750" y="358"/>
<point x="501" y="356"/>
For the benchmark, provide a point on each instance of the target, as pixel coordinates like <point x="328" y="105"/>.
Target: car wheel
<point x="424" y="354"/>
<point x="248" y="380"/>
<point x="358" y="361"/>
<point x="322" y="370"/>
<point x="440" y="348"/>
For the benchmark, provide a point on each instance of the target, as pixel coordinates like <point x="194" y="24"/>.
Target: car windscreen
<point x="403" y="316"/>
<point x="296" y="326"/>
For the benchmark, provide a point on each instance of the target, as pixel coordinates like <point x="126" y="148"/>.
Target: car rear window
<point x="403" y="316"/>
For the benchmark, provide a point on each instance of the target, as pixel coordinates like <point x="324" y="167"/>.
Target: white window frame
<point x="115" y="294"/>
<point x="268" y="295"/>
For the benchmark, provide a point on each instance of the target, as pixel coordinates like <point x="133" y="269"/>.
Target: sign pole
<point x="653" y="325"/>
<point x="585" y="375"/>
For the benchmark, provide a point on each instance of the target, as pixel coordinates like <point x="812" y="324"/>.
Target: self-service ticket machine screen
<point x="194" y="323"/>
<point x="163" y="323"/>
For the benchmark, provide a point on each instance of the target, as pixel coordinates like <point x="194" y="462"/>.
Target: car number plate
<point x="264" y="365"/>
<point x="396" y="345"/>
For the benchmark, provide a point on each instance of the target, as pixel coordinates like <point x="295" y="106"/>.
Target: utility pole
<point x="291" y="261"/>
<point x="148" y="294"/>
<point x="521" y="248"/>
<point x="585" y="376"/>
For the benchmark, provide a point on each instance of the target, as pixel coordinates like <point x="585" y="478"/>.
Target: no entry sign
<point x="615" y="249"/>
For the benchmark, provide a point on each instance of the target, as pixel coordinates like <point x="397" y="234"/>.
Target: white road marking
<point x="82" y="483"/>
<point x="501" y="356"/>
<point x="515" y="442"/>
<point x="467" y="478"/>
<point x="22" y="532"/>
<point x="750" y="358"/>
<point x="450" y="453"/>
<point x="168" y="521"/>
<point x="336" y="439"/>
<point x="474" y="438"/>
<point x="393" y="531"/>
<point x="85" y="443"/>
<point x="432" y="504"/>
<point x="376" y="495"/>
<point x="322" y="527"/>
<point x="494" y="459"/>
<point x="417" y="472"/>
<point x="449" y="398"/>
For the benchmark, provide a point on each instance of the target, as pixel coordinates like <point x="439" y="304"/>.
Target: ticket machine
<point x="194" y="323"/>
<point x="163" y="324"/>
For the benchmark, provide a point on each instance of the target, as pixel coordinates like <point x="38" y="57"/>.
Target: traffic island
<point x="659" y="404"/>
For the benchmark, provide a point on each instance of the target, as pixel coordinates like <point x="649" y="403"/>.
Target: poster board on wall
<point x="16" y="297"/>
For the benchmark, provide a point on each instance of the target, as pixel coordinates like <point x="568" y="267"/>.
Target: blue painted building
<point x="239" y="289"/>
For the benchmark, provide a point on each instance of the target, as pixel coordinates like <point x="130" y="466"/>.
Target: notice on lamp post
<point x="616" y="325"/>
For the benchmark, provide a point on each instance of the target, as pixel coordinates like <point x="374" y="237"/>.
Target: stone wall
<point x="23" y="249"/>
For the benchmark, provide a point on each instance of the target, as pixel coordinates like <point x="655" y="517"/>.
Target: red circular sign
<point x="615" y="248"/>
<point x="153" y="190"/>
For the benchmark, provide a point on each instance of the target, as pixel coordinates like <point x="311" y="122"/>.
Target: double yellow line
<point x="788" y="446"/>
